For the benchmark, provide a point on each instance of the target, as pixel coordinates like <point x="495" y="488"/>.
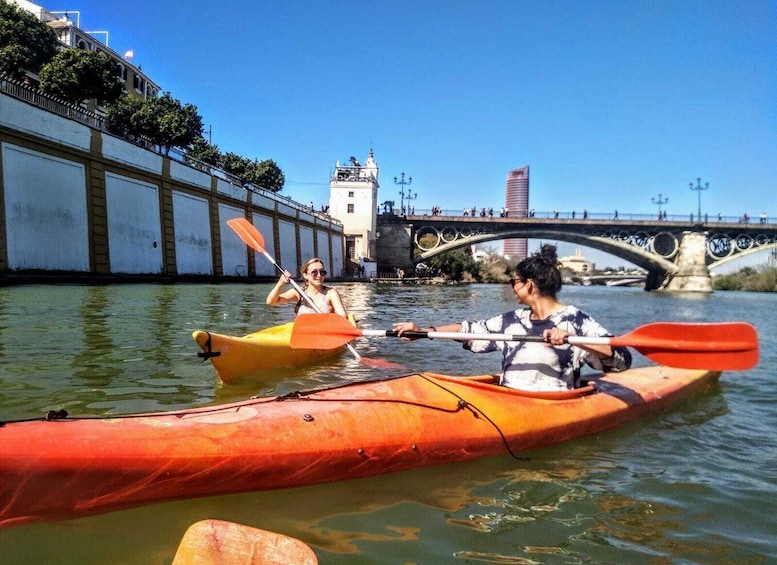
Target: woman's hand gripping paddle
<point x="729" y="346"/>
<point x="253" y="238"/>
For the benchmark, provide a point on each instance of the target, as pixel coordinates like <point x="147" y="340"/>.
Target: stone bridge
<point x="677" y="255"/>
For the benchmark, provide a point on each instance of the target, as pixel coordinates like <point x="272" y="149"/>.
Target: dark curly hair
<point x="542" y="268"/>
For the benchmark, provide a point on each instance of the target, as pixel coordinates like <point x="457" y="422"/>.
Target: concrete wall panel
<point x="20" y="116"/>
<point x="337" y="255"/>
<point x="234" y="253"/>
<point x="322" y="241"/>
<point x="134" y="227"/>
<point x="287" y="233"/>
<point x="189" y="175"/>
<point x="306" y="246"/>
<point x="47" y="225"/>
<point x="193" y="241"/>
<point x="122" y="151"/>
<point x="236" y="192"/>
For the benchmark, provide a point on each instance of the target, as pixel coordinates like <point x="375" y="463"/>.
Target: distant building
<point x="517" y="206"/>
<point x="353" y="196"/>
<point x="136" y="82"/>
<point x="577" y="264"/>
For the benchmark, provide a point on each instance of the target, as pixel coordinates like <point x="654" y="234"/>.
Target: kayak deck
<point x="236" y="358"/>
<point x="63" y="468"/>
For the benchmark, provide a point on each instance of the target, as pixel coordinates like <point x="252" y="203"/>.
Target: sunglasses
<point x="316" y="272"/>
<point x="515" y="280"/>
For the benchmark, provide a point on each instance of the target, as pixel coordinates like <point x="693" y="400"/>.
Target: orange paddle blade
<point x="726" y="346"/>
<point x="307" y="333"/>
<point x="248" y="233"/>
<point x="322" y="331"/>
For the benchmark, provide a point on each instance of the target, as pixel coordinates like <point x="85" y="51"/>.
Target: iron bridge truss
<point x="651" y="245"/>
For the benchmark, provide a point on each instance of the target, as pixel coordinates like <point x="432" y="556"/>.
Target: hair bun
<point x="548" y="254"/>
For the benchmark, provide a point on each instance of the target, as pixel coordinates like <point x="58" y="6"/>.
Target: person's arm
<point x="402" y="327"/>
<point x="276" y="297"/>
<point x="611" y="358"/>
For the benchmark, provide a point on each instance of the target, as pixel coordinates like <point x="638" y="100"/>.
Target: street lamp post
<point x="402" y="197"/>
<point x="660" y="203"/>
<point x="698" y="188"/>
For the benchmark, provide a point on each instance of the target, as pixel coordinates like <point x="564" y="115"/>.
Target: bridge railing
<point x="583" y="215"/>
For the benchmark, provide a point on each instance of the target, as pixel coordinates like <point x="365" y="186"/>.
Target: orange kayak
<point x="63" y="467"/>
<point x="237" y="358"/>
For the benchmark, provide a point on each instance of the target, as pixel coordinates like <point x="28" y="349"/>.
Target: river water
<point x="697" y="484"/>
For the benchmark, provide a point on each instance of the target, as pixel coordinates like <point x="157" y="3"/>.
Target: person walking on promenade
<point x="326" y="298"/>
<point x="554" y="365"/>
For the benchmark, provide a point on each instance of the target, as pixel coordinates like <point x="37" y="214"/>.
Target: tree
<point x="457" y="264"/>
<point x="494" y="268"/>
<point x="26" y="43"/>
<point x="235" y="164"/>
<point x="76" y="75"/>
<point x="266" y="174"/>
<point x="204" y="152"/>
<point x="263" y="174"/>
<point x="121" y="115"/>
<point x="168" y="123"/>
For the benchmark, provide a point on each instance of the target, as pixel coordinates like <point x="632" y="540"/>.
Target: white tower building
<point x="353" y="196"/>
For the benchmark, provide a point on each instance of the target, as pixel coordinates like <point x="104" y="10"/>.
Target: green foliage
<point x="427" y="241"/>
<point x="460" y="265"/>
<point x="163" y="120"/>
<point x="204" y="152"/>
<point x="121" y="115"/>
<point x="748" y="279"/>
<point x="75" y="75"/>
<point x="26" y="43"/>
<point x="494" y="268"/>
<point x="168" y="123"/>
<point x="457" y="264"/>
<point x="268" y="175"/>
<point x="265" y="174"/>
<point x="235" y="164"/>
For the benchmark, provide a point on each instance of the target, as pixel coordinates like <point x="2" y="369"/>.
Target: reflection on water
<point x="693" y="485"/>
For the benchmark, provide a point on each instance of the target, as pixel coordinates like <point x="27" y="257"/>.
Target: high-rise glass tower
<point x="517" y="206"/>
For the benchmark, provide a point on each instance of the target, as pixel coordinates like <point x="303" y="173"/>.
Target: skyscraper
<point x="517" y="205"/>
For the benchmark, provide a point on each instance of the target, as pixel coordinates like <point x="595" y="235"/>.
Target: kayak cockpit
<point x="491" y="382"/>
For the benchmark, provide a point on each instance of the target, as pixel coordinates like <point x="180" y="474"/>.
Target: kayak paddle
<point x="729" y="346"/>
<point x="253" y="238"/>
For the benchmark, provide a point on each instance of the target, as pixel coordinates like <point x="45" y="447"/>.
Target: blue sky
<point x="611" y="104"/>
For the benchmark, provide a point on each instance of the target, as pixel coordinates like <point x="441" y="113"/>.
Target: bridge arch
<point x="751" y="251"/>
<point x="637" y="255"/>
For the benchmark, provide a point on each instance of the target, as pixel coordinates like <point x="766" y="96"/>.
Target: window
<point x="350" y="194"/>
<point x="350" y="208"/>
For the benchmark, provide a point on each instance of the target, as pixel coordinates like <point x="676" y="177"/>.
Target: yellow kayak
<point x="237" y="358"/>
<point x="217" y="542"/>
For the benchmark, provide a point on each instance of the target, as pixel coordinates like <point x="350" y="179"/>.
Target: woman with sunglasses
<point x="554" y="365"/>
<point x="326" y="298"/>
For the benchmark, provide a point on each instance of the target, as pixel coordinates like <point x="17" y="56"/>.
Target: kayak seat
<point x="490" y="382"/>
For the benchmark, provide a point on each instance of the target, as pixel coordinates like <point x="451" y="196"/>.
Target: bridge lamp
<point x="410" y="196"/>
<point x="698" y="188"/>
<point x="660" y="202"/>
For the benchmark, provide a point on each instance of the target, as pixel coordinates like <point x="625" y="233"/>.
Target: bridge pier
<point x="692" y="274"/>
